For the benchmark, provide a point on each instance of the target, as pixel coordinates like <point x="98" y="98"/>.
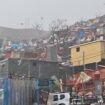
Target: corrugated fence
<point x="17" y="91"/>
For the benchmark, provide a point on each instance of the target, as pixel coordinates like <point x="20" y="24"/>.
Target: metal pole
<point x="29" y="69"/>
<point x="37" y="91"/>
<point x="39" y="71"/>
<point x="96" y="66"/>
<point x="83" y="85"/>
<point x="83" y="60"/>
<point x="73" y="72"/>
<point x="50" y="83"/>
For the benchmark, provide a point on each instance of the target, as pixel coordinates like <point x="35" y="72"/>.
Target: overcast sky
<point x="29" y="12"/>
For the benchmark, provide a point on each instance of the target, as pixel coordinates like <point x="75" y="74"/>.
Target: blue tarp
<point x="81" y="34"/>
<point x="15" y="46"/>
<point x="6" y="92"/>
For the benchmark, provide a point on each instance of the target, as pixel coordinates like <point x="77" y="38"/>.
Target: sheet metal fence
<point x="24" y="91"/>
<point x="1" y="92"/>
<point x="17" y="91"/>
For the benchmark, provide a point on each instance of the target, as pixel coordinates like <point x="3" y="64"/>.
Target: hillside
<point x="22" y="34"/>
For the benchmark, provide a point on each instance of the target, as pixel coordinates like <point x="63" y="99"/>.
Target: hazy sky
<point x="29" y="12"/>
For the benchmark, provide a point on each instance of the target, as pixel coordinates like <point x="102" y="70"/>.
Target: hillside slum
<point x="80" y="32"/>
<point x="43" y="62"/>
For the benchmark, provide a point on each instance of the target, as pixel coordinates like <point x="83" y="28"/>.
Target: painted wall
<point x="87" y="53"/>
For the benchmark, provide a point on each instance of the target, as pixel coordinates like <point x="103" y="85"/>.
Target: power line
<point x="81" y="59"/>
<point x="85" y="55"/>
<point x="90" y="54"/>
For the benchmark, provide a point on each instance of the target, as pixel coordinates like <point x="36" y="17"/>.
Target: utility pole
<point x="83" y="60"/>
<point x="39" y="71"/>
<point x="96" y="65"/>
<point x="72" y="71"/>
